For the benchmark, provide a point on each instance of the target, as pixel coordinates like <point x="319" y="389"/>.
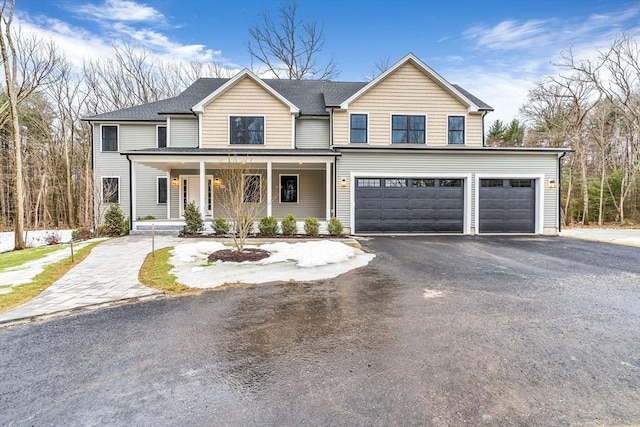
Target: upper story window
<point x="109" y="137"/>
<point x="456" y="130"/>
<point x="246" y="130"/>
<point x="162" y="136"/>
<point x="358" y="128"/>
<point x="408" y="129"/>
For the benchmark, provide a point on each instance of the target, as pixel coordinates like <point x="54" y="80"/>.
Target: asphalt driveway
<point x="435" y="331"/>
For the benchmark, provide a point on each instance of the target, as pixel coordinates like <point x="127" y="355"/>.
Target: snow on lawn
<point x="312" y="260"/>
<point x="33" y="238"/>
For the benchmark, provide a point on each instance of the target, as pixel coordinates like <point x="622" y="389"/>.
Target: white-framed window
<point x="408" y="129"/>
<point x="289" y="186"/>
<point x="455" y="129"/>
<point x="359" y="128"/>
<point x="161" y="136"/>
<point x="246" y="130"/>
<point x="109" y="138"/>
<point x="251" y="188"/>
<point x="162" y="188"/>
<point x="110" y="189"/>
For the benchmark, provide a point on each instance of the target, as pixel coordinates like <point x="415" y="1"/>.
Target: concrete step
<point x="157" y="232"/>
<point x="158" y="227"/>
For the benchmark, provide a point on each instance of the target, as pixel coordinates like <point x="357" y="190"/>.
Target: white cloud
<point x="120" y="10"/>
<point x="508" y="35"/>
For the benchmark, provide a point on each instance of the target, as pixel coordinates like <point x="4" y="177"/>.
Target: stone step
<point x="157" y="232"/>
<point x="158" y="227"/>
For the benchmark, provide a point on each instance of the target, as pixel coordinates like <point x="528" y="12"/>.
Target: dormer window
<point x="246" y="130"/>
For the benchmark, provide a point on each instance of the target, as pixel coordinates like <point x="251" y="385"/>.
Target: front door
<point x="191" y="192"/>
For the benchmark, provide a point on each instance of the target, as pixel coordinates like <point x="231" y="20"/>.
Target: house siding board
<point x="246" y="98"/>
<point x="110" y="164"/>
<point x="312" y="133"/>
<point x="433" y="164"/>
<point x="184" y="132"/>
<point x="311" y="195"/>
<point x="408" y="90"/>
<point x="147" y="192"/>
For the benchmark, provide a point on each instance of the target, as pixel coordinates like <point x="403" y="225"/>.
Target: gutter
<point x="130" y="196"/>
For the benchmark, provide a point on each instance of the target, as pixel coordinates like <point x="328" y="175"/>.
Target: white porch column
<point x="203" y="189"/>
<point x="134" y="215"/>
<point x="168" y="195"/>
<point x="269" y="189"/>
<point x="328" y="190"/>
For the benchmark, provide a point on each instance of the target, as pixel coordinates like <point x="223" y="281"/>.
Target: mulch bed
<point x="231" y="255"/>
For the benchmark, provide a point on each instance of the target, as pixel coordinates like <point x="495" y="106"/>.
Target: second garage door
<point x="409" y="205"/>
<point x="507" y="206"/>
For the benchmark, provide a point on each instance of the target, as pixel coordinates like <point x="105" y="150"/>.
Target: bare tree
<point x="241" y="197"/>
<point x="379" y="67"/>
<point x="288" y="47"/>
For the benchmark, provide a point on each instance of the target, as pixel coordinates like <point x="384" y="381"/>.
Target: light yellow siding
<point x="247" y="98"/>
<point x="408" y="91"/>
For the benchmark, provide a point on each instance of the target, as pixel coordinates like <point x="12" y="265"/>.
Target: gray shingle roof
<point x="312" y="97"/>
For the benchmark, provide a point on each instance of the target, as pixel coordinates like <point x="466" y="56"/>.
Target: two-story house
<point x="403" y="153"/>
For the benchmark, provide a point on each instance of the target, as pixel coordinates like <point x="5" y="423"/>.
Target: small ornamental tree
<point x="193" y="219"/>
<point x="312" y="226"/>
<point x="114" y="222"/>
<point x="289" y="225"/>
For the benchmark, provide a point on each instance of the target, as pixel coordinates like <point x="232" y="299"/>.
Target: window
<point x="520" y="183"/>
<point x="368" y="182"/>
<point x="358" y="128"/>
<point x="162" y="189"/>
<point x="246" y="130"/>
<point x="288" y="188"/>
<point x="423" y="182"/>
<point x="489" y="183"/>
<point x="408" y="129"/>
<point x="251" y="193"/>
<point x="395" y="182"/>
<point x="456" y="129"/>
<point x="450" y="183"/>
<point x="109" y="138"/>
<point x="162" y="136"/>
<point x="110" y="189"/>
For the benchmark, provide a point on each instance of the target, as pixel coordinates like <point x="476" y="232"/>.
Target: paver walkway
<point x="108" y="274"/>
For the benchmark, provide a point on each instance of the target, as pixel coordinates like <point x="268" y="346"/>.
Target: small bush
<point x="146" y="218"/>
<point x="289" y="226"/>
<point x="125" y="227"/>
<point x="220" y="226"/>
<point x="52" y="238"/>
<point x="312" y="226"/>
<point x="114" y="223"/>
<point x="268" y="226"/>
<point x="82" y="233"/>
<point x="335" y="227"/>
<point x="192" y="219"/>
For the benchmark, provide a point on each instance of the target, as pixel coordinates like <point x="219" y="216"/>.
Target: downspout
<point x="560" y="191"/>
<point x="130" y="196"/>
<point x="484" y="113"/>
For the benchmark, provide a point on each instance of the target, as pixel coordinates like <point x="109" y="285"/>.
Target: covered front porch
<point x="298" y="183"/>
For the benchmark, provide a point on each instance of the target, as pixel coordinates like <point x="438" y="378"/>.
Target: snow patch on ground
<point x="32" y="238"/>
<point x="313" y="260"/>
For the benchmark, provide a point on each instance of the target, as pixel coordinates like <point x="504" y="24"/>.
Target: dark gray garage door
<point x="507" y="206"/>
<point x="409" y="205"/>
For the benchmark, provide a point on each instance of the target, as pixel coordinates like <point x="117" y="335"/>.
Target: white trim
<point x="466" y="177"/>
<point x="102" y="189"/>
<point x="280" y="187"/>
<point x="425" y="70"/>
<point x="199" y="107"/>
<point x="203" y="189"/>
<point x="243" y="181"/>
<point x="264" y="130"/>
<point x="117" y="138"/>
<point x="269" y="189"/>
<point x="199" y="130"/>
<point x="464" y="139"/>
<point x="426" y="128"/>
<point x="327" y="192"/>
<point x="539" y="178"/>
<point x="166" y="134"/>
<point x="168" y="175"/>
<point x="362" y="114"/>
<point x="181" y="179"/>
<point x="293" y="131"/>
<point x="158" y="190"/>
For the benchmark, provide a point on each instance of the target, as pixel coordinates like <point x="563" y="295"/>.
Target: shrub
<point x="312" y="226"/>
<point x="289" y="226"/>
<point x="52" y="238"/>
<point x="193" y="219"/>
<point x="335" y="227"/>
<point x="146" y="218"/>
<point x="125" y="227"/>
<point x="268" y="226"/>
<point x="220" y="226"/>
<point x="82" y="233"/>
<point x="114" y="222"/>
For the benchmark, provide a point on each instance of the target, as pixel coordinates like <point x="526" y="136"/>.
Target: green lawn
<point x="42" y="281"/>
<point x="15" y="258"/>
<point x="155" y="273"/>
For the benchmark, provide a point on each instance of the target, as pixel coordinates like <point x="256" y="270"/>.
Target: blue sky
<point x="495" y="49"/>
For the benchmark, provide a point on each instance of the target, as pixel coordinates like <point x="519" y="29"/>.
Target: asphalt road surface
<point x="435" y="331"/>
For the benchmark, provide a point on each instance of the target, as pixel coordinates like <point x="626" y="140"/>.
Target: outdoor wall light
<point x="216" y="181"/>
<point x="174" y="181"/>
<point x="551" y="183"/>
<point x="343" y="182"/>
